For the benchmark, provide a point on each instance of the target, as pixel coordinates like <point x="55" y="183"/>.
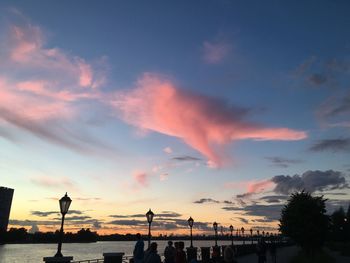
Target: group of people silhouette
<point x="172" y="254"/>
<point x="176" y="254"/>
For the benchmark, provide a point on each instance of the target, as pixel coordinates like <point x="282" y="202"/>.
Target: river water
<point x="34" y="253"/>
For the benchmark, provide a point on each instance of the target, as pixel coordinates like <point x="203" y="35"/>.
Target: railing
<point x="241" y="250"/>
<point x="126" y="259"/>
<point x="100" y="260"/>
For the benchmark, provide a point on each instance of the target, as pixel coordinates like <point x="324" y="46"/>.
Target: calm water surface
<point x="34" y="253"/>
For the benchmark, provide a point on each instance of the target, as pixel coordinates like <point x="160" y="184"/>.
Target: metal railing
<point x="126" y="259"/>
<point x="99" y="260"/>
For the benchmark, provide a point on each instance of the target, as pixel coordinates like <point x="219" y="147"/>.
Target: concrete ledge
<point x="113" y="254"/>
<point x="58" y="259"/>
<point x="113" y="257"/>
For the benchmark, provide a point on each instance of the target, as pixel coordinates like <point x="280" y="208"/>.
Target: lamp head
<point x="149" y="216"/>
<point x="65" y="202"/>
<point x="190" y="221"/>
<point x="231" y="228"/>
<point x="215" y="225"/>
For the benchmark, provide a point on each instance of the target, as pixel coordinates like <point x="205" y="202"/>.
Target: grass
<point x="318" y="257"/>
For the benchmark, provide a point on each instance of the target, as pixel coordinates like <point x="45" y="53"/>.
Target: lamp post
<point x="242" y="231"/>
<point x="149" y="216"/>
<point x="215" y="225"/>
<point x="190" y="223"/>
<point x="231" y="229"/>
<point x="65" y="202"/>
<point x="251" y="235"/>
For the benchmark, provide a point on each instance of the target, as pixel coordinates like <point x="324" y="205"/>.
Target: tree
<point x="304" y="220"/>
<point x="17" y="235"/>
<point x="338" y="225"/>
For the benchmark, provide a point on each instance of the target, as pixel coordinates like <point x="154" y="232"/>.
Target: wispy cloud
<point x="318" y="73"/>
<point x="282" y="162"/>
<point x="186" y="158"/>
<point x="333" y="145"/>
<point x="270" y="212"/>
<point x="204" y="123"/>
<point x="274" y="198"/>
<point x="141" y="178"/>
<point x="54" y="182"/>
<point x="44" y="213"/>
<point x="215" y="52"/>
<point x="256" y="187"/>
<point x="165" y="220"/>
<point x="335" y="108"/>
<point x="163" y="214"/>
<point x="35" y="98"/>
<point x="49" y="213"/>
<point x="206" y="200"/>
<point x="167" y="150"/>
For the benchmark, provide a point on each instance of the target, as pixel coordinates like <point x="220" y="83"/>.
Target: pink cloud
<point x="54" y="182"/>
<point x="141" y="178"/>
<point x="25" y="43"/>
<point x="215" y="52"/>
<point x="163" y="177"/>
<point x="252" y="187"/>
<point x="42" y="89"/>
<point x="168" y="150"/>
<point x="86" y="75"/>
<point x="258" y="187"/>
<point x="31" y="107"/>
<point x="204" y="123"/>
<point x="27" y="51"/>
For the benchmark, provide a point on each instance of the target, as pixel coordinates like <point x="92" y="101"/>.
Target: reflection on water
<point x="34" y="253"/>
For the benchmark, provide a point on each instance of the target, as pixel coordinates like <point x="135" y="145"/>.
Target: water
<point x="34" y="253"/>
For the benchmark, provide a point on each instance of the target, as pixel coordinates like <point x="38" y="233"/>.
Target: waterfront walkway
<point x="284" y="254"/>
<point x="336" y="255"/>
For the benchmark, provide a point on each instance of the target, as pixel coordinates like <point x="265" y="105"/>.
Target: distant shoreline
<point x="178" y="238"/>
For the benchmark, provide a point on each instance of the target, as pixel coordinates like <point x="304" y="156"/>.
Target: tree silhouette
<point x="303" y="219"/>
<point x="338" y="225"/>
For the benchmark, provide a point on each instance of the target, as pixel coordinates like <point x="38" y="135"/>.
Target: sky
<point x="217" y="110"/>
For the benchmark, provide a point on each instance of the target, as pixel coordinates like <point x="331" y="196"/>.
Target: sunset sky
<point x="212" y="109"/>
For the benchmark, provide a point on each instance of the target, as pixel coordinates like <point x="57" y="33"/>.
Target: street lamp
<point x="231" y="229"/>
<point x="251" y="235"/>
<point x="190" y="223"/>
<point x="149" y="216"/>
<point x="65" y="202"/>
<point x="242" y="231"/>
<point x="258" y="232"/>
<point x="215" y="225"/>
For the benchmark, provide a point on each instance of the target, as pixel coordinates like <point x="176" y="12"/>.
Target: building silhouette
<point x="6" y="195"/>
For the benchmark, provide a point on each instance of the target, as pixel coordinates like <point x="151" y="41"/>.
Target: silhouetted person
<point x="169" y="253"/>
<point x="138" y="252"/>
<point x="152" y="254"/>
<point x="180" y="256"/>
<point x="261" y="251"/>
<point x="229" y="255"/>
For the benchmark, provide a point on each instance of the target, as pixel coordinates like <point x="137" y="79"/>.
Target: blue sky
<point x="155" y="104"/>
